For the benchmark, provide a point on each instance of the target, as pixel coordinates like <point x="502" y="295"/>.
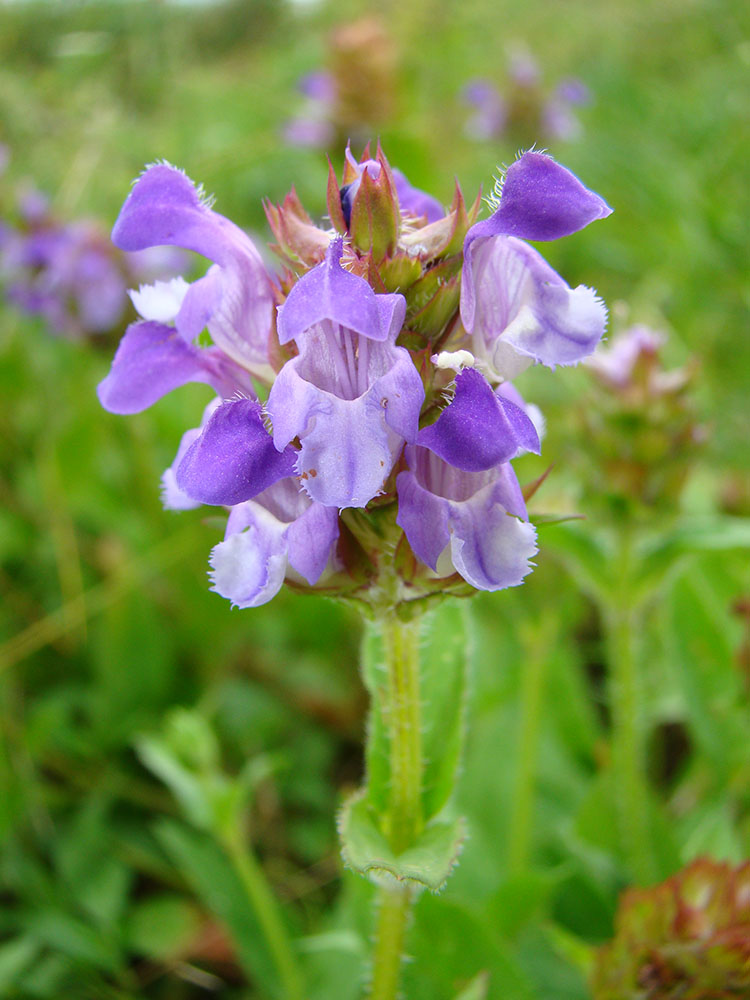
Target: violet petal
<point x="249" y="566"/>
<point x="234" y="458"/>
<point x="172" y="497"/>
<point x="151" y="360"/>
<point x="478" y="429"/>
<point x="328" y="292"/>
<point x="416" y="202"/>
<point x="465" y="516"/>
<point x="519" y="310"/>
<point x="165" y="207"/>
<point x="541" y="200"/>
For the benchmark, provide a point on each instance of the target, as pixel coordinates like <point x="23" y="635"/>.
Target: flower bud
<point x="371" y="204"/>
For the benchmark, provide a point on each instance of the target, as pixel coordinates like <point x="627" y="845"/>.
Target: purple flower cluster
<point x="353" y="95"/>
<point x="523" y="107"/>
<point x="68" y="273"/>
<point x="387" y="427"/>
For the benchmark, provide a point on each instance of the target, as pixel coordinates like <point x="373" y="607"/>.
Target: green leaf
<point x="519" y="900"/>
<point x="64" y="933"/>
<point x="576" y="951"/>
<point x="699" y="641"/>
<point x="584" y="555"/>
<point x="183" y="784"/>
<point x="707" y="534"/>
<point x="443" y="674"/>
<point x="15" y="957"/>
<point x="377" y="755"/>
<point x="162" y="927"/>
<point x="212" y="878"/>
<point x="427" y="863"/>
<point x="449" y="944"/>
<point x="186" y="758"/>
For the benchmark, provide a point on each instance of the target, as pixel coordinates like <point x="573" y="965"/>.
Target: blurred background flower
<point x="521" y="109"/>
<point x="353" y="97"/>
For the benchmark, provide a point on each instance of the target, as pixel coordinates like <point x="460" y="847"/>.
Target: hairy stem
<point x="401" y="711"/>
<point x="393" y="905"/>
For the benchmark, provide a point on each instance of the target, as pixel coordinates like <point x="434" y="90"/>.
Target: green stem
<point x="393" y="906"/>
<point x="628" y="756"/>
<point x="401" y="711"/>
<point x="262" y="900"/>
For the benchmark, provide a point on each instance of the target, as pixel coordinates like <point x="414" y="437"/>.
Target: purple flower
<point x="455" y="499"/>
<point x="573" y="91"/>
<point x="524" y="106"/>
<point x="172" y="496"/>
<point x="318" y="86"/>
<point x="308" y="132"/>
<point x="234" y="458"/>
<point x="507" y="390"/>
<point x="480" y="428"/>
<point x="281" y="533"/>
<point x="341" y="424"/>
<point x="349" y="191"/>
<point x="516" y="308"/>
<point x="66" y="274"/>
<point x="153" y="359"/>
<point x="157" y="263"/>
<point x="415" y="202"/>
<point x="33" y="206"/>
<point x="351" y="396"/>
<point x="491" y="112"/>
<point x="616" y="363"/>
<point x="559" y="121"/>
<point x="472" y="523"/>
<point x="411" y="200"/>
<point x="234" y="299"/>
<point x="313" y="126"/>
<point x="69" y="273"/>
<point x="523" y="69"/>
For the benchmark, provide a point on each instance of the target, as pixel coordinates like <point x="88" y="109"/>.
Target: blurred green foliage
<point x="109" y="889"/>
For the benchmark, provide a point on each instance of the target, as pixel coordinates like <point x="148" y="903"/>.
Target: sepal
<point x="333" y="201"/>
<point x="444" y="237"/>
<point x="399" y="272"/>
<point x="299" y="239"/>
<point x="433" y="300"/>
<point x="376" y="216"/>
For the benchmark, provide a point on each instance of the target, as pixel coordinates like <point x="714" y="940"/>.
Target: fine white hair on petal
<point x="206" y="200"/>
<point x="492" y="200"/>
<point x="161" y="301"/>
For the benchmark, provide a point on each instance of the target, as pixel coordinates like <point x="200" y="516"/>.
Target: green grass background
<point x="106" y="621"/>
